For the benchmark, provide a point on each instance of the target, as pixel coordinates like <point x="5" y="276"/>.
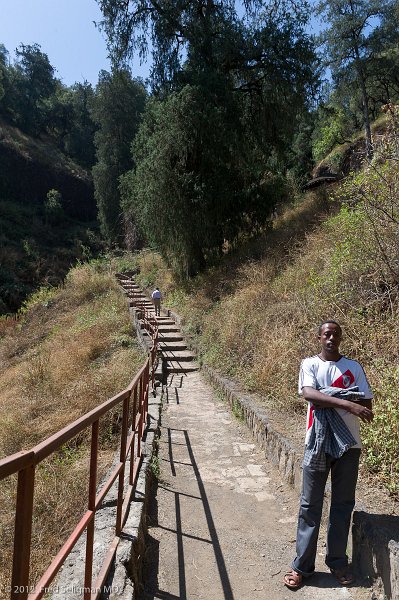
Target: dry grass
<point x="71" y="350"/>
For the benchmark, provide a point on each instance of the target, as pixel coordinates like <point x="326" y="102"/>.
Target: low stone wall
<point x="142" y="335"/>
<point x="125" y="576"/>
<point x="125" y="580"/>
<point x="376" y="551"/>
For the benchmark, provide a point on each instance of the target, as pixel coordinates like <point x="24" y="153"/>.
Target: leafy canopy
<point x="117" y="106"/>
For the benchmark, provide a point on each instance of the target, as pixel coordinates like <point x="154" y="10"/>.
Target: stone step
<point x="133" y="303"/>
<point x="180" y="356"/>
<point x="125" y="282"/>
<point x="169" y="337"/>
<point x="139" y="298"/>
<point x="141" y="301"/>
<point x="133" y="294"/>
<point x="172" y="346"/>
<point x="168" y="328"/>
<point x="173" y="366"/>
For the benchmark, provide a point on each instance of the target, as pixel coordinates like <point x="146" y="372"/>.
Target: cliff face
<point x="30" y="167"/>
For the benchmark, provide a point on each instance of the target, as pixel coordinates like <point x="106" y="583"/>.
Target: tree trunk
<point x="365" y="100"/>
<point x="367" y="128"/>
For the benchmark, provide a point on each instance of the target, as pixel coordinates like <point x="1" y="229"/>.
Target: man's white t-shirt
<point x="343" y="373"/>
<point x="156" y="294"/>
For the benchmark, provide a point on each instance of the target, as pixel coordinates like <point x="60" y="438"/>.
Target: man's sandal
<point x="344" y="576"/>
<point x="293" y="580"/>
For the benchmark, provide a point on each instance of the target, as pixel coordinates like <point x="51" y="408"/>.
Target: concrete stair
<point x="171" y="346"/>
<point x="179" y="355"/>
<point x="168" y="329"/>
<point x="175" y="358"/>
<point x="173" y="349"/>
<point x="170" y="337"/>
<point x="181" y="367"/>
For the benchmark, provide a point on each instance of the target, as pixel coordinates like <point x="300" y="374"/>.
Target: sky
<point x="66" y="33"/>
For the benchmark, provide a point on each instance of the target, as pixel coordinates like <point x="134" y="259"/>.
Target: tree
<point x="193" y="187"/>
<point x="206" y="35"/>
<point x="34" y="83"/>
<point x="3" y="70"/>
<point x="227" y="92"/>
<point x="350" y="42"/>
<point x="334" y="122"/>
<point x="117" y="107"/>
<point x="80" y="140"/>
<point x="182" y="152"/>
<point x="60" y="114"/>
<point x="178" y="30"/>
<point x="53" y="209"/>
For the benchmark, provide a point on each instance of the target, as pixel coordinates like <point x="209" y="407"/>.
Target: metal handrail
<point x="134" y="401"/>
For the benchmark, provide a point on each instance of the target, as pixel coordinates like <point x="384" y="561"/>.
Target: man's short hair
<point x="329" y="321"/>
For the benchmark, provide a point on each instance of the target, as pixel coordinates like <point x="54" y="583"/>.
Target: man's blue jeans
<point x="344" y="473"/>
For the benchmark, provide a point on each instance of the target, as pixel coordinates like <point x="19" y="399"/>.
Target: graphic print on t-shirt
<point x="344" y="381"/>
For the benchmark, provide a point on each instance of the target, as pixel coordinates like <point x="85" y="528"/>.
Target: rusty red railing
<point x="134" y="401"/>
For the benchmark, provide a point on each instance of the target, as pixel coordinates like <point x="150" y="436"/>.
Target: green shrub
<point x="331" y="134"/>
<point x="53" y="208"/>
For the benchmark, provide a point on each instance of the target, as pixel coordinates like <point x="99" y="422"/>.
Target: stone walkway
<point x="223" y="523"/>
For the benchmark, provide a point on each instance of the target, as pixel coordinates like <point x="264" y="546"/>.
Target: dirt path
<point x="223" y="523"/>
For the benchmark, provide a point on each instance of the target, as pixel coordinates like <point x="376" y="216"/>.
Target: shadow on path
<point x="151" y="589"/>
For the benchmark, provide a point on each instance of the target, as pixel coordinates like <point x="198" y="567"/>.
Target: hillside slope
<point x="72" y="348"/>
<point x="38" y="246"/>
<point x="30" y="167"/>
<point x="256" y="315"/>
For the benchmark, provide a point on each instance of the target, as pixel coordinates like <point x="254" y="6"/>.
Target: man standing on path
<point x="338" y="396"/>
<point x="156" y="297"/>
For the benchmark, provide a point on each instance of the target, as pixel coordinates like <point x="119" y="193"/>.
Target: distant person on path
<point x="156" y="298"/>
<point x="338" y="395"/>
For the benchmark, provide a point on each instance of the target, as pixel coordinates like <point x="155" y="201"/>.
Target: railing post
<point x="133" y="449"/>
<point x="122" y="458"/>
<point x="92" y="507"/>
<point x="144" y="393"/>
<point x="147" y="387"/>
<point x="23" y="534"/>
<point x="140" y="411"/>
<point x="153" y="362"/>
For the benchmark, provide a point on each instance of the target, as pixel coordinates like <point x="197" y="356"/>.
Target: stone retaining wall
<point x="125" y="577"/>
